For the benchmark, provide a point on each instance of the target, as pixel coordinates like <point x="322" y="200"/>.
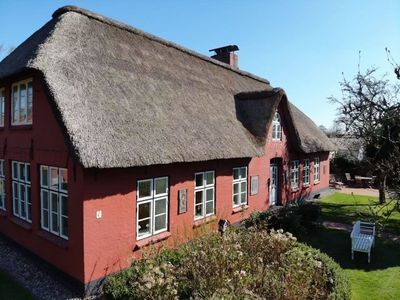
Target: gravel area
<point x="40" y="280"/>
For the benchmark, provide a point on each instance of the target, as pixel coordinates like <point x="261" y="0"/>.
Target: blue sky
<point x="301" y="46"/>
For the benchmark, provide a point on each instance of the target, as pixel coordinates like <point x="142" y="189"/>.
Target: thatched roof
<point x="127" y="98"/>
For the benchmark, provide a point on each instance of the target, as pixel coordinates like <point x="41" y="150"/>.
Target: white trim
<point x="18" y="182"/>
<point x="277" y="127"/>
<point x="294" y="174"/>
<point x="317" y="175"/>
<point x="306" y="169"/>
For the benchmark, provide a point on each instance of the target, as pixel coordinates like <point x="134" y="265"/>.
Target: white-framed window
<point x="54" y="200"/>
<point x="316" y="169"/>
<point x="152" y="207"/>
<point x="277" y="127"/>
<point x="22" y="103"/>
<point x="21" y="190"/>
<point x="2" y="106"/>
<point x="2" y="184"/>
<point x="204" y="194"/>
<point x="239" y="186"/>
<point x="294" y="170"/>
<point x="306" y="172"/>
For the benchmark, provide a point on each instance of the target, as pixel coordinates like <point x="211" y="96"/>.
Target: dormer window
<point x="276" y="127"/>
<point x="21" y="103"/>
<point x="2" y="106"/>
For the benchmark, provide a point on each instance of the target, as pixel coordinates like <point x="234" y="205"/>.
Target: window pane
<point x="64" y="226"/>
<point x="209" y="194"/>
<point x="160" y="222"/>
<point x="199" y="180"/>
<point x="199" y="197"/>
<point x="54" y="203"/>
<point x="161" y="185"/>
<point x="14" y="170"/>
<point x="21" y="171"/>
<point x="144" y="227"/>
<point x="199" y="210"/>
<point x="236" y="188"/>
<point x="144" y="210"/>
<point x="243" y="173"/>
<point x="44" y="176"/>
<point x="236" y="199"/>
<point x="2" y="190"/>
<point x="160" y="206"/>
<point x="54" y="178"/>
<point x="45" y="220"/>
<point x="15" y="102"/>
<point x="29" y="217"/>
<point x="45" y="199"/>
<point x="210" y="207"/>
<point x="22" y="103"/>
<point x="54" y="222"/>
<point x="210" y="178"/>
<point x="243" y="186"/>
<point x="243" y="199"/>
<point x="28" y="172"/>
<point x="64" y="205"/>
<point x="29" y="102"/>
<point x="63" y="180"/>
<point x="235" y="174"/>
<point x="145" y="188"/>
<point x="28" y="194"/>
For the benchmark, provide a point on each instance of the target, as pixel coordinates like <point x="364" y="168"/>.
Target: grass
<point x="345" y="208"/>
<point x="9" y="289"/>
<point x="378" y="280"/>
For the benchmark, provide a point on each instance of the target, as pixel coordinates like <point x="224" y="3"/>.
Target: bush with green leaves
<point x="243" y="264"/>
<point x="297" y="217"/>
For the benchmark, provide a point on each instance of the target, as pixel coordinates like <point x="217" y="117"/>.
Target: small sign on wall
<point x="253" y="185"/>
<point x="182" y="201"/>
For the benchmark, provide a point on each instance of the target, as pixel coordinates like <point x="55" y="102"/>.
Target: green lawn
<point x="9" y="289"/>
<point x="378" y="280"/>
<point x="348" y="208"/>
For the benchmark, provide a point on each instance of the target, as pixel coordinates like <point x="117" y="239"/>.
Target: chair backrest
<point x="348" y="177"/>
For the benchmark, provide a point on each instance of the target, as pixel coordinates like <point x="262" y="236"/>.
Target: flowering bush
<point x="243" y="264"/>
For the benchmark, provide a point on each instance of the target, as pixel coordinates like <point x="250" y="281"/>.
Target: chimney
<point x="227" y="55"/>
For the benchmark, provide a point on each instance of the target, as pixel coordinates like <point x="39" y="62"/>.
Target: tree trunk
<point x="382" y="189"/>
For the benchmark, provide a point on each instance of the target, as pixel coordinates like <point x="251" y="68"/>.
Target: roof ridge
<point x="123" y="26"/>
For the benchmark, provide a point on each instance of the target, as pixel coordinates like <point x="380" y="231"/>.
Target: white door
<point x="273" y="186"/>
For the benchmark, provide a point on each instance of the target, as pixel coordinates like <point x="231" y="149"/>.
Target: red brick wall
<point x="41" y="143"/>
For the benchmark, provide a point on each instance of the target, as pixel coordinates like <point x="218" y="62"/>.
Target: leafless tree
<point x="370" y="111"/>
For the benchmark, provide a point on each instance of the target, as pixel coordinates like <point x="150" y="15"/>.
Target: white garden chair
<point x="362" y="238"/>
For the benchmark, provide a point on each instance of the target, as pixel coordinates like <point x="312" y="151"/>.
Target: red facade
<point x="102" y="202"/>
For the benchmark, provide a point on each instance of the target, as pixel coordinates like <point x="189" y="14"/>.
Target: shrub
<point x="296" y="217"/>
<point x="243" y="264"/>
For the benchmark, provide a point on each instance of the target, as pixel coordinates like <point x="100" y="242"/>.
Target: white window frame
<point x="204" y="188"/>
<point x="19" y="183"/>
<point x="277" y="127"/>
<point x="61" y="196"/>
<point x="316" y="170"/>
<point x="16" y="121"/>
<point x="152" y="200"/>
<point x="238" y="182"/>
<point x="2" y="184"/>
<point x="2" y="106"/>
<point x="306" y="172"/>
<point x="294" y="178"/>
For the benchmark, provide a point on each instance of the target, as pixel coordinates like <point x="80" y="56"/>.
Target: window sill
<point x="239" y="209"/>
<point x="62" y="243"/>
<point x="316" y="182"/>
<point x="205" y="220"/>
<point x="152" y="239"/>
<point x="24" y="224"/>
<point x="295" y="190"/>
<point x="306" y="185"/>
<point x="21" y="127"/>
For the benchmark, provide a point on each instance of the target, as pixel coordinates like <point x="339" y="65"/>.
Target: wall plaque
<point x="182" y="201"/>
<point x="253" y="185"/>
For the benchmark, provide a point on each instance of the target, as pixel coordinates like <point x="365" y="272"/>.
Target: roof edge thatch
<point x="115" y="23"/>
